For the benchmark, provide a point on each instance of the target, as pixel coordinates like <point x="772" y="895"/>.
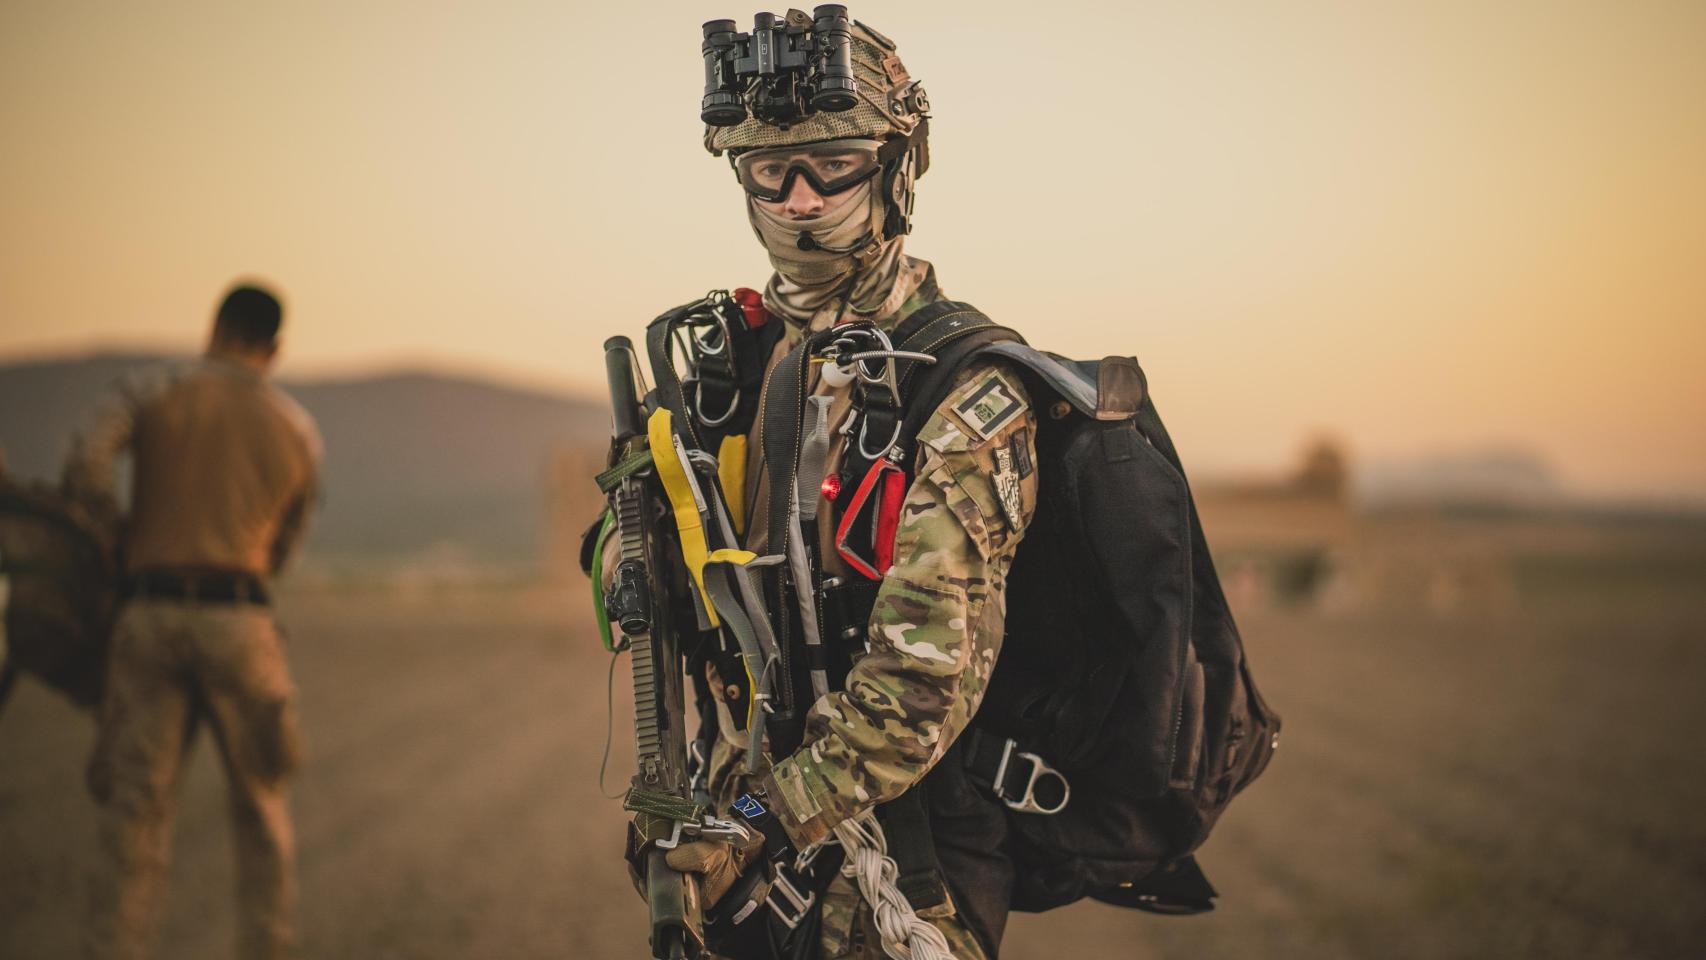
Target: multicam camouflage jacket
<point x="937" y="625"/>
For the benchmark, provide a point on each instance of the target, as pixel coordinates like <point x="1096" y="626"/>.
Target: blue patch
<point x="749" y="807"/>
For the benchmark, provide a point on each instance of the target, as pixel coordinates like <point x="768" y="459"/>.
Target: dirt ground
<point x="1520" y="784"/>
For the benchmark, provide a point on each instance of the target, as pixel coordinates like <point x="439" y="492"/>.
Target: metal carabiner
<point x="887" y="447"/>
<point x="699" y="407"/>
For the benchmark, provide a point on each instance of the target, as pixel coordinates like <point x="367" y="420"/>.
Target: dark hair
<point x="250" y="316"/>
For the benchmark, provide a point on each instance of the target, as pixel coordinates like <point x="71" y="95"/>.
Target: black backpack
<point x="1122" y="670"/>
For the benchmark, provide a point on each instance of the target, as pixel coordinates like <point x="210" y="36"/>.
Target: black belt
<point x="197" y="586"/>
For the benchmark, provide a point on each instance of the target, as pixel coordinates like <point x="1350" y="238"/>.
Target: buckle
<point x="786" y="900"/>
<point x="1026" y="802"/>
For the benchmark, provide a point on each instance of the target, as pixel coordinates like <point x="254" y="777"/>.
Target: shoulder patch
<point x="988" y="405"/>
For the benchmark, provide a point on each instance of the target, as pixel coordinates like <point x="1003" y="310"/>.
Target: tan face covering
<point x="852" y="267"/>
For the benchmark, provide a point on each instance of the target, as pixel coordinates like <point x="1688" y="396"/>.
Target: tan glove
<point x="717" y="862"/>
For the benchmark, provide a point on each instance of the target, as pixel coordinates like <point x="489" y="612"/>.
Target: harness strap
<point x="685" y="500"/>
<point x="929" y="330"/>
<point x="668" y="389"/>
<point x="907" y="822"/>
<point x="724" y="572"/>
<point x="949" y="330"/>
<point x="953" y="337"/>
<point x="784" y="414"/>
<point x="803" y="548"/>
<point x="731" y="473"/>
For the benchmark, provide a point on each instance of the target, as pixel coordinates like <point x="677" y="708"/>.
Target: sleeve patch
<point x="991" y="405"/>
<point x="1021" y="448"/>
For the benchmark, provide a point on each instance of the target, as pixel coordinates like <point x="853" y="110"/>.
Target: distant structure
<point x="1281" y="541"/>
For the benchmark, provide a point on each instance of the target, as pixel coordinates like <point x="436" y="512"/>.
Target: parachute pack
<point x="1122" y="717"/>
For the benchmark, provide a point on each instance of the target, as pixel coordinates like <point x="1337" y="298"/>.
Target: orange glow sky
<point x="1422" y="227"/>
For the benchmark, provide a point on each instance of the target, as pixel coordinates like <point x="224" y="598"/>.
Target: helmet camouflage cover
<point x="890" y="103"/>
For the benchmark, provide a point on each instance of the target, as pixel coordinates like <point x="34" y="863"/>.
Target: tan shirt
<point x="225" y="469"/>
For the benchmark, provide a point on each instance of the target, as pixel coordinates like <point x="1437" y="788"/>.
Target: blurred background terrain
<point x="1418" y="288"/>
<point x="1487" y="690"/>
<point x="1513" y="780"/>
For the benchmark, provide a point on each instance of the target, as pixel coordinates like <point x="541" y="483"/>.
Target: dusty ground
<point x="1526" y="784"/>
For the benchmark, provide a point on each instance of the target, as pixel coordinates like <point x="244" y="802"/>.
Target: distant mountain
<point x="416" y="463"/>
<point x="1491" y="477"/>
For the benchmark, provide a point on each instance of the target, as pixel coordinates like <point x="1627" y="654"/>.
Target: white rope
<point x="905" y="936"/>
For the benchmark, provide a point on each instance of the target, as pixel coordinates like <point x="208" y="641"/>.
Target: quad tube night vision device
<point x="786" y="69"/>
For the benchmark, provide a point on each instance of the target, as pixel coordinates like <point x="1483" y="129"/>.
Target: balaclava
<point x="856" y="269"/>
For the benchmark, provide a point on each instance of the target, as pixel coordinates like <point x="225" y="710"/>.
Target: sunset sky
<point x="1423" y="227"/>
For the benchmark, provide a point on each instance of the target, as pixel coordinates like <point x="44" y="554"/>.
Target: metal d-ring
<point x="1027" y="801"/>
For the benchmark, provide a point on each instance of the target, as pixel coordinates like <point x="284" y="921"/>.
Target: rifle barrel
<point x="624" y="397"/>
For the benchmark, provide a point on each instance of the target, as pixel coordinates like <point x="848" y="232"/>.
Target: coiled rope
<point x="905" y="936"/>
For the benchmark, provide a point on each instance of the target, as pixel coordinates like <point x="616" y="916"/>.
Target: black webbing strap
<point x="784" y="423"/>
<point x="929" y="329"/>
<point x="981" y="754"/>
<point x="906" y="823"/>
<point x="668" y="389"/>
<point x="952" y="332"/>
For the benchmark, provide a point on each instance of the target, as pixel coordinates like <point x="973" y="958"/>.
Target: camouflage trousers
<point x="173" y="666"/>
<point x="849" y="929"/>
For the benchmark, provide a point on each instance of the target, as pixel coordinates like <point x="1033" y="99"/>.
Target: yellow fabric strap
<point x="673" y="473"/>
<point x="731" y="473"/>
<point x="738" y="557"/>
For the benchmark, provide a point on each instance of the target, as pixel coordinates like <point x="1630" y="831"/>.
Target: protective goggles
<point x="830" y="167"/>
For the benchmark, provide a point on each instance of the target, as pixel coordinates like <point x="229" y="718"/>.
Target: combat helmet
<point x="749" y="105"/>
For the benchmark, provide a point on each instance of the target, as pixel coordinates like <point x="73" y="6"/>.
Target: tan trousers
<point x="172" y="666"/>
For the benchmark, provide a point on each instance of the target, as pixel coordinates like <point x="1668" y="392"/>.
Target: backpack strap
<point x="952" y="332"/>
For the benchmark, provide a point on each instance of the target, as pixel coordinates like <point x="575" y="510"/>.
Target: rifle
<point x="661" y="793"/>
<point x="679" y="594"/>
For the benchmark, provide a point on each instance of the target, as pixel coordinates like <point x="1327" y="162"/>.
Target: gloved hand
<point x="718" y="863"/>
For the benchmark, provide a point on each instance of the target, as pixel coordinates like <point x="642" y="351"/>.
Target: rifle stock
<point x="643" y="601"/>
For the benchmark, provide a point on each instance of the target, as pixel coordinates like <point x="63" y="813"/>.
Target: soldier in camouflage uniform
<point x="937" y="626"/>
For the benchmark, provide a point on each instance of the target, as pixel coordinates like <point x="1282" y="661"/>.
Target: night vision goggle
<point x="830" y="166"/>
<point x="783" y="71"/>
